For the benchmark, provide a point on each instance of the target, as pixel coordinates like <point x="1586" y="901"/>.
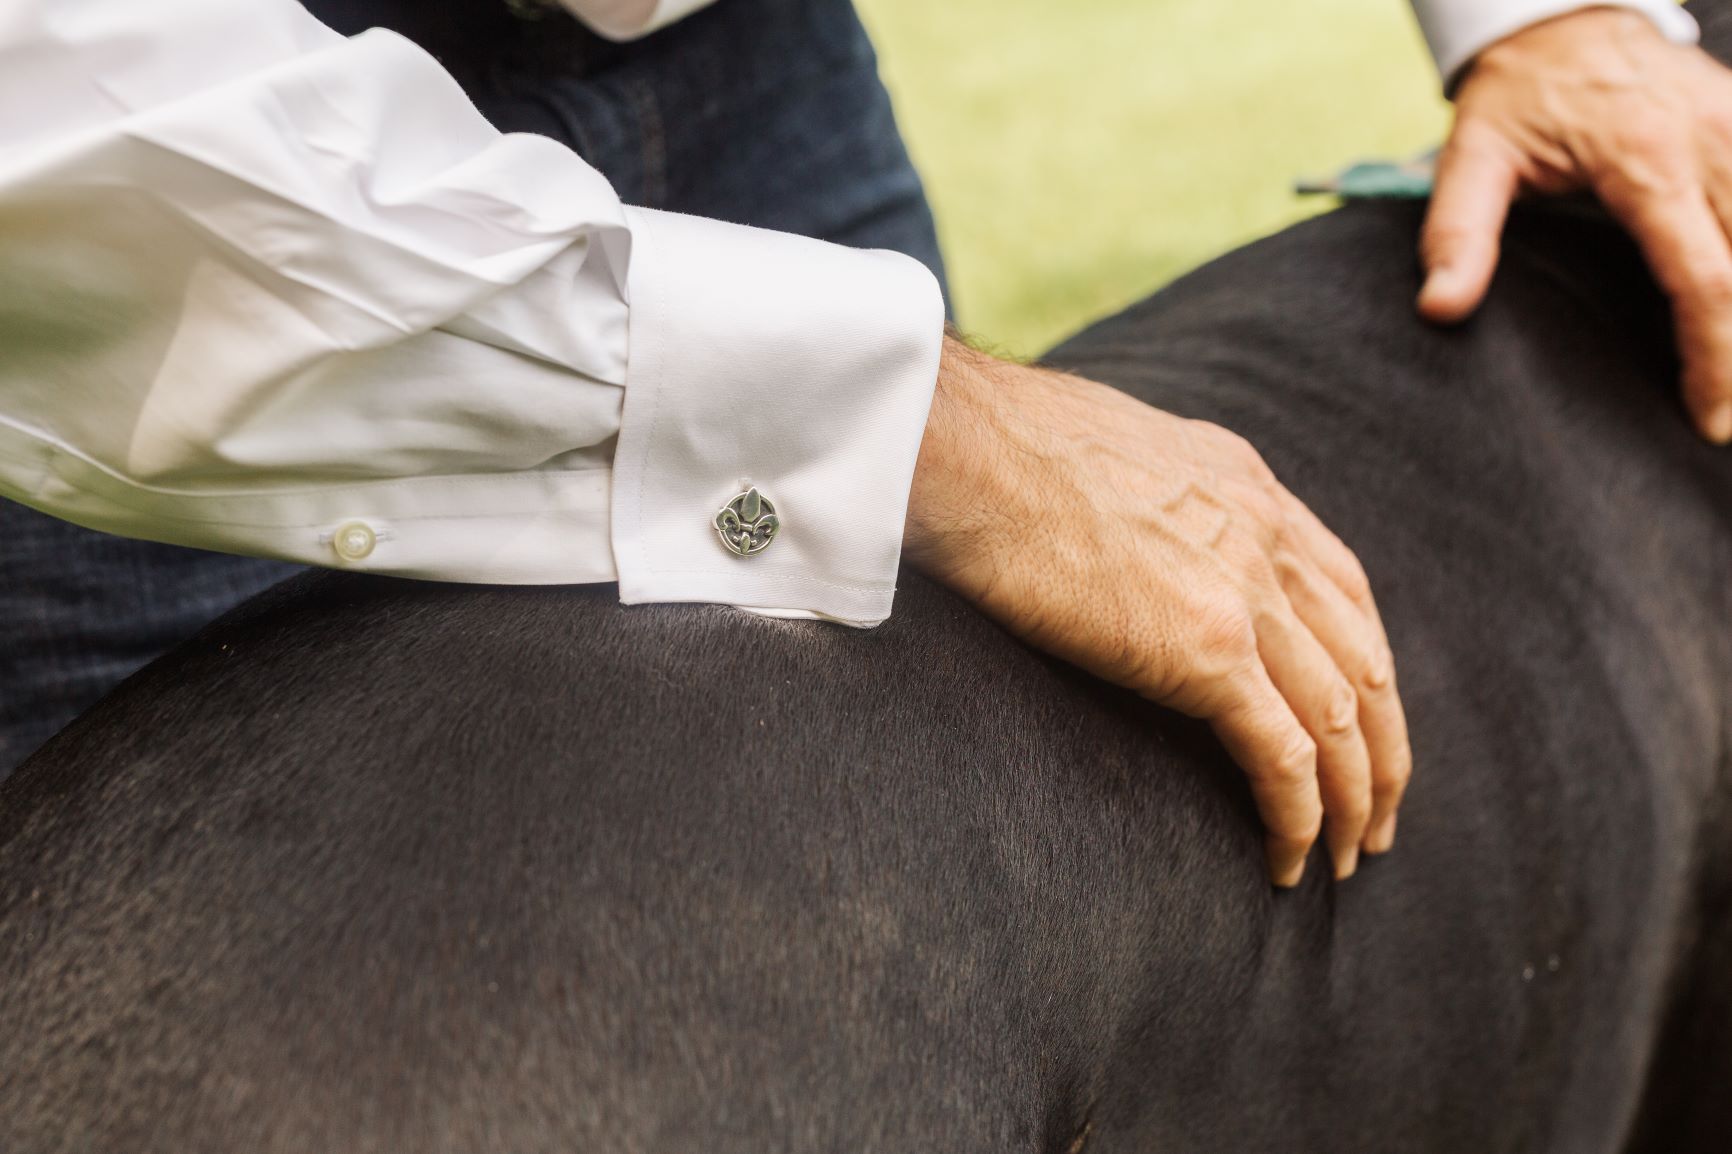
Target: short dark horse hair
<point x="381" y="866"/>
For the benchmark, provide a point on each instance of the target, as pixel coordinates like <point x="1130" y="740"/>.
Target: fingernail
<point x="1346" y="863"/>
<point x="1718" y="426"/>
<point x="1440" y="279"/>
<point x="1380" y="840"/>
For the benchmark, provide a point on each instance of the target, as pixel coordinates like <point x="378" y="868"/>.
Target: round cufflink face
<point x="748" y="523"/>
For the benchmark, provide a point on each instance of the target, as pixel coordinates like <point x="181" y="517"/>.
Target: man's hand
<point x="1599" y="100"/>
<point x="1163" y="555"/>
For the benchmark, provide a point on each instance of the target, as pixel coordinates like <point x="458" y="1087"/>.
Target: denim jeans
<point x="762" y="112"/>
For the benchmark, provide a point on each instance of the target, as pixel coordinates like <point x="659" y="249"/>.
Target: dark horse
<point x="380" y="866"/>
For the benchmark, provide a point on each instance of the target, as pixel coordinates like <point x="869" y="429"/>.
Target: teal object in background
<point x="1378" y="180"/>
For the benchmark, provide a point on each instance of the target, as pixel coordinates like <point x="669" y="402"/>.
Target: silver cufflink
<point x="748" y="523"/>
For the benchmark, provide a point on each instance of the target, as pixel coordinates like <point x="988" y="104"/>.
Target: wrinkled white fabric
<point x="1459" y="30"/>
<point x="259" y="282"/>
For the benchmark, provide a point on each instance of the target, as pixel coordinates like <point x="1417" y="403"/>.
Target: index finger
<point x="1476" y="181"/>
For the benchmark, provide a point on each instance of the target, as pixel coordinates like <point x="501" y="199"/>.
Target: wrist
<point x="1466" y="35"/>
<point x="1607" y="22"/>
<point x="1610" y="42"/>
<point x="957" y="454"/>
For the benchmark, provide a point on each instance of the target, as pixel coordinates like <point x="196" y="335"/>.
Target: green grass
<point x="1080" y="154"/>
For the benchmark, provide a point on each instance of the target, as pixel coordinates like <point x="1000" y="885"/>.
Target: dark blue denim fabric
<point x="763" y="112"/>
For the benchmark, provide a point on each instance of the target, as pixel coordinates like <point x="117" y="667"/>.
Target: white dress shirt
<point x="268" y="290"/>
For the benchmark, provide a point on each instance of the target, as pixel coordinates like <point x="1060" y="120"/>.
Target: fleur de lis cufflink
<point x="748" y="523"/>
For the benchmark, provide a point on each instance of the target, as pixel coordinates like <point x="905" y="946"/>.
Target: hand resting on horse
<point x="1598" y="100"/>
<point x="1162" y="554"/>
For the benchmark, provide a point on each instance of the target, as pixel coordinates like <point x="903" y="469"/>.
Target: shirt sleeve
<point x="630" y="19"/>
<point x="268" y="290"/>
<point x="1459" y="30"/>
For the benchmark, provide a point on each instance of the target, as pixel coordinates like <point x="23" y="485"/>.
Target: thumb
<point x="1476" y="181"/>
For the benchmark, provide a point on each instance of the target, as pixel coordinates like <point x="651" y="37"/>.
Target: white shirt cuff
<point x="767" y="360"/>
<point x="1459" y="30"/>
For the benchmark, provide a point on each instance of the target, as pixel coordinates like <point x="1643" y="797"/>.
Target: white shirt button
<point x="354" y="541"/>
